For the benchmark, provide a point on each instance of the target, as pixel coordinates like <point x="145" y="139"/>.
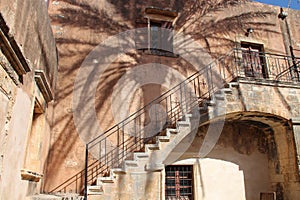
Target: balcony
<point x="261" y="66"/>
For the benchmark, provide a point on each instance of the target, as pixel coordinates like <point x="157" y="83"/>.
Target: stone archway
<point x="260" y="145"/>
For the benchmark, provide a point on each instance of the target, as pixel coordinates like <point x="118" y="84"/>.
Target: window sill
<point x="43" y="84"/>
<point x="159" y="52"/>
<point x="30" y="175"/>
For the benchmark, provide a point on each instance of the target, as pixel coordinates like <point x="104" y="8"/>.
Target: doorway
<point x="253" y="60"/>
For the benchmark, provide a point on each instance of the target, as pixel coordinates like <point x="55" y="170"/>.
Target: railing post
<point x="123" y="140"/>
<point x="296" y="72"/>
<point x="184" y="97"/>
<point x="240" y="63"/>
<point x="181" y="100"/>
<point x="117" y="153"/>
<point x="86" y="171"/>
<point x="156" y="117"/>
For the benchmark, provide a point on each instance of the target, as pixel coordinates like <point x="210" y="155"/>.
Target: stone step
<point x="233" y="84"/>
<point x="172" y="131"/>
<point x="183" y="123"/>
<point x="163" y="138"/>
<point x="219" y="96"/>
<point x="111" y="177"/>
<point x="140" y="161"/>
<point x="55" y="196"/>
<point x="211" y="103"/>
<point x="43" y="197"/>
<point x="151" y="147"/>
<point x="130" y="164"/>
<point x="227" y="90"/>
<point x="95" y="190"/>
<point x="140" y="156"/>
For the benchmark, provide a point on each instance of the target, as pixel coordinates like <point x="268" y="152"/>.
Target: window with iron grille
<point x="179" y="182"/>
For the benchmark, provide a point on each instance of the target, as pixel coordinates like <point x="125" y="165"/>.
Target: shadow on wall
<point x="223" y="21"/>
<point x="240" y="165"/>
<point x="73" y="46"/>
<point x="80" y="26"/>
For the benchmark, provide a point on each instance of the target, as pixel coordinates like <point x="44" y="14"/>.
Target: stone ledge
<point x="30" y="175"/>
<point x="12" y="50"/>
<point x="95" y="190"/>
<point x="295" y="120"/>
<point x="268" y="82"/>
<point x="43" y="84"/>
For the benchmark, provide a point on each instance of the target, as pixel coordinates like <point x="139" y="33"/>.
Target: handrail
<point x="268" y="65"/>
<point x="152" y="102"/>
<point x="292" y="69"/>
<point x="120" y="141"/>
<point x="130" y="135"/>
<point x="76" y="179"/>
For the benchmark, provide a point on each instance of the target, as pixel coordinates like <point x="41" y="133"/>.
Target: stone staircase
<point x="156" y="156"/>
<point x="144" y="157"/>
<point x="196" y="100"/>
<point x="65" y="196"/>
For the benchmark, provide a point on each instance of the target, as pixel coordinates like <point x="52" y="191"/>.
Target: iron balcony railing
<point x="112" y="147"/>
<point x="267" y="66"/>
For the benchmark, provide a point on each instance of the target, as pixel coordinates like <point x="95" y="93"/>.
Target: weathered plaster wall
<point x="256" y="150"/>
<point x="79" y="26"/>
<point x="26" y="24"/>
<point x="293" y="26"/>
<point x="266" y="104"/>
<point x="272" y="98"/>
<point x="227" y="174"/>
<point x="279" y="100"/>
<point x="29" y="24"/>
<point x="241" y="153"/>
<point x="236" y="168"/>
<point x="16" y="144"/>
<point x="8" y="93"/>
<point x="135" y="185"/>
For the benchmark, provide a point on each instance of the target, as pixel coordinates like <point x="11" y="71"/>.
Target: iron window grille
<point x="179" y="182"/>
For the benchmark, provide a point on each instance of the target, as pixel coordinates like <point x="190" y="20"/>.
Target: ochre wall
<point x="79" y="26"/>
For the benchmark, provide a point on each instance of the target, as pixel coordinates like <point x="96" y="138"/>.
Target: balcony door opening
<point x="253" y="60"/>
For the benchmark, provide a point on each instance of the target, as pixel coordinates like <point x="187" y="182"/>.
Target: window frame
<point x="254" y="61"/>
<point x="158" y="29"/>
<point x="164" y="35"/>
<point x="183" y="180"/>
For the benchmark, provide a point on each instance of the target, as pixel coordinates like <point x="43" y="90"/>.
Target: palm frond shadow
<point x="194" y="17"/>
